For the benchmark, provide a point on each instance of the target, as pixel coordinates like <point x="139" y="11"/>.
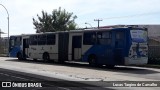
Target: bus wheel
<point x="46" y="57"/>
<point x="34" y="59"/>
<point x="19" y="56"/>
<point x="92" y="60"/>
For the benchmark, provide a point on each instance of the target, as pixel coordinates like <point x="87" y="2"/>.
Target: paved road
<point x="125" y="72"/>
<point x="77" y="72"/>
<point x="27" y="79"/>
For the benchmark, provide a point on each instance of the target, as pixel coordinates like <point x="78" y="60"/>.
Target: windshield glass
<point x="12" y="42"/>
<point x="139" y="36"/>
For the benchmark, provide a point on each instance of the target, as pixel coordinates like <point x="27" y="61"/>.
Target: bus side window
<point x="41" y="39"/>
<point x="51" y="39"/>
<point x="119" y="35"/>
<point x="33" y="40"/>
<point x="119" y="42"/>
<point x="89" y="38"/>
<point x="104" y="38"/>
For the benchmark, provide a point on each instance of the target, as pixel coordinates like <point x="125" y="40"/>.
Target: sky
<point x="111" y="12"/>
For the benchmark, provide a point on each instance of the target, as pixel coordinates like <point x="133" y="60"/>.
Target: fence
<point x="154" y="54"/>
<point x="3" y="46"/>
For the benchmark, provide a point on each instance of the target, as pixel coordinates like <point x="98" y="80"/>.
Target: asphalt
<point x="43" y="83"/>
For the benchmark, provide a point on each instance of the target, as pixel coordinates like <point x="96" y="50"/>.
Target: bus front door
<point x="119" y="47"/>
<point x="76" y="47"/>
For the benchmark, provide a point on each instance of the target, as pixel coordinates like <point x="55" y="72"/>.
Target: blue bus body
<point x="122" y="50"/>
<point x="15" y="45"/>
<point x="111" y="46"/>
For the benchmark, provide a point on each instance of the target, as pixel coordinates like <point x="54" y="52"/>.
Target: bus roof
<point x="76" y="31"/>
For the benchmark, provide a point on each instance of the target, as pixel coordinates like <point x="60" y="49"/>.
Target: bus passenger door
<point x="119" y="47"/>
<point x="63" y="47"/>
<point x="76" y="47"/>
<point x="25" y="47"/>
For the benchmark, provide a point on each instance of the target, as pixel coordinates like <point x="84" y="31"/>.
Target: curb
<point x="151" y="66"/>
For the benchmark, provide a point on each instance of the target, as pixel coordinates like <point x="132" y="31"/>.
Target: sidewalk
<point x="151" y="66"/>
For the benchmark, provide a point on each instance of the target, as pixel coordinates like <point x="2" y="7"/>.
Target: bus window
<point x="41" y="39"/>
<point x="104" y="38"/>
<point x="51" y="39"/>
<point x="119" y="42"/>
<point x="89" y="38"/>
<point x="33" y="40"/>
<point x="12" y="42"/>
<point x="119" y="35"/>
<point x="17" y="41"/>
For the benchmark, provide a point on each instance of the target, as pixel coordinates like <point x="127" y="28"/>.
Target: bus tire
<point x="92" y="60"/>
<point x="19" y="56"/>
<point x="34" y="59"/>
<point x="46" y="57"/>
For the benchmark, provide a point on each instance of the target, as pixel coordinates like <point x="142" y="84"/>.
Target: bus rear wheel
<point x="46" y="57"/>
<point x="92" y="60"/>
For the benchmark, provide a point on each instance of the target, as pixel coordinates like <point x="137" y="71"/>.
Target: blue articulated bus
<point x="104" y="46"/>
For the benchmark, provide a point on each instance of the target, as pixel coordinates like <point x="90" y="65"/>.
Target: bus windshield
<point x="139" y="36"/>
<point x="14" y="41"/>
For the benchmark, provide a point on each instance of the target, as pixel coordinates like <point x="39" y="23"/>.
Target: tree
<point x="59" y="20"/>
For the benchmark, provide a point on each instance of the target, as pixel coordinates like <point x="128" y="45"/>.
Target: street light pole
<point x="0" y="34"/>
<point x="8" y="24"/>
<point x="98" y="20"/>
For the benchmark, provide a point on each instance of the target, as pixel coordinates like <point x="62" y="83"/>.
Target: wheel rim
<point x="93" y="61"/>
<point x="47" y="57"/>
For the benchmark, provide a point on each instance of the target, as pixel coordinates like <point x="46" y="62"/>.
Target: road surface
<point x="26" y="81"/>
<point x="80" y="72"/>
